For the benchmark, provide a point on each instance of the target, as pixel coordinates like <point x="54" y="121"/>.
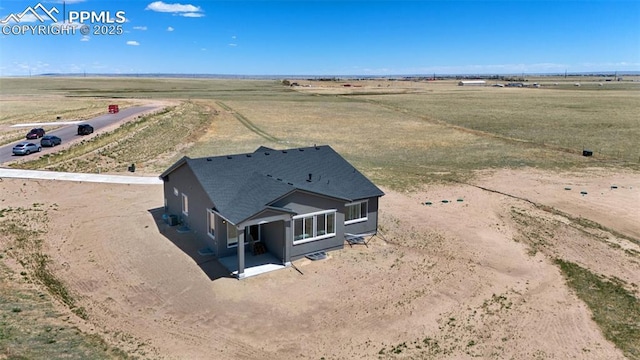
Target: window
<point x="185" y="204"/>
<point x="232" y="236"/>
<point x="211" y="224"/>
<point x="356" y="212"/>
<point x="314" y="226"/>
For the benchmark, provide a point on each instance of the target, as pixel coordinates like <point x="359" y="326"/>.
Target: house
<point x="286" y="203"/>
<point x="472" y="83"/>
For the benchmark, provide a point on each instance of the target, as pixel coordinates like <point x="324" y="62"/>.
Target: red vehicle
<point x="113" y="109"/>
<point x="35" y="133"/>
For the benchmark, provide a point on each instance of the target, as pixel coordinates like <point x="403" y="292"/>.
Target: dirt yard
<point x="458" y="279"/>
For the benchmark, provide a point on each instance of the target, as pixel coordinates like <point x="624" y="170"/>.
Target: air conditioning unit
<point x="171" y="220"/>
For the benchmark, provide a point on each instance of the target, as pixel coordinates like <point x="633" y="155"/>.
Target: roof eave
<point x="176" y="165"/>
<point x="273" y="208"/>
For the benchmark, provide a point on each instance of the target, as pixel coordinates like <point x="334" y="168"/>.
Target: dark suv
<point x="35" y="133"/>
<point x="85" y="129"/>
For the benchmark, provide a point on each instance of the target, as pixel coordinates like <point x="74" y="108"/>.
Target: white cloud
<point x="141" y="28"/>
<point x="233" y="37"/>
<point x="233" y="45"/>
<point x="192" y="15"/>
<point x="85" y="38"/>
<point x="133" y="43"/>
<point x="160" y="6"/>
<point x="170" y="29"/>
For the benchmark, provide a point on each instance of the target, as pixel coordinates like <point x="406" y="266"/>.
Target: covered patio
<point x="253" y="264"/>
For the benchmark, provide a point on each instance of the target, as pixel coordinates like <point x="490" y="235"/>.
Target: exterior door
<point x="254" y="239"/>
<point x="254" y="233"/>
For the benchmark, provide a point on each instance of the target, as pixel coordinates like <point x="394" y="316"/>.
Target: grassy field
<point x="400" y="134"/>
<point x="600" y="120"/>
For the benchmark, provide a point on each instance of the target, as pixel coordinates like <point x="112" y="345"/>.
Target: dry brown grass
<point x="405" y="137"/>
<point x="400" y="133"/>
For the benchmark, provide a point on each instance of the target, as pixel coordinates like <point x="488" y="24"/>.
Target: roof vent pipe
<point x="310" y="176"/>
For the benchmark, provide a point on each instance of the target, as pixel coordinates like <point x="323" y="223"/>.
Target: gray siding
<point x="369" y="226"/>
<point x="183" y="179"/>
<point x="305" y="203"/>
<point x="275" y="238"/>
<point x="270" y="238"/>
<point x="277" y="235"/>
<point x="221" y="237"/>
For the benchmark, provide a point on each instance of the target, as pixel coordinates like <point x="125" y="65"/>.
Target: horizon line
<point x="328" y="76"/>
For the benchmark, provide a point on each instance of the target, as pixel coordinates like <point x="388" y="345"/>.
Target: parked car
<point x="85" y="129"/>
<point x="25" y="148"/>
<point x="50" y="140"/>
<point x="35" y="133"/>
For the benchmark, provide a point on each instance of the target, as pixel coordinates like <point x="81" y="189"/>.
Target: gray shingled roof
<point x="242" y="185"/>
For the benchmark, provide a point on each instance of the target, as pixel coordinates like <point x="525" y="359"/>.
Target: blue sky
<point x="326" y="37"/>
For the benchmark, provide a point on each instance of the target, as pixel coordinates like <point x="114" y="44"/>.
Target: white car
<point x="26" y="148"/>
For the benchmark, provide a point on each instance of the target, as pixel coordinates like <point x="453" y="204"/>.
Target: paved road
<point x="69" y="132"/>
<point x="65" y="176"/>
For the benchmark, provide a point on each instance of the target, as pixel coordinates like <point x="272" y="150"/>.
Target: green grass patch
<point x="615" y="310"/>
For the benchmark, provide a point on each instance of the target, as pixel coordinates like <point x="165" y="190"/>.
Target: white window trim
<point x="362" y="219"/>
<point x="185" y="209"/>
<point x="313" y="215"/>
<point x="211" y="216"/>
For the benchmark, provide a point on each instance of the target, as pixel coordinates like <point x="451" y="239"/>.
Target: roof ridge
<point x="261" y="149"/>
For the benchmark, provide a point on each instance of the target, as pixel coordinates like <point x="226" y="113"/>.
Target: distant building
<point x="472" y="83"/>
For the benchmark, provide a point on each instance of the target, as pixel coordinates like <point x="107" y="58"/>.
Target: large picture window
<point x="314" y="226"/>
<point x="356" y="212"/>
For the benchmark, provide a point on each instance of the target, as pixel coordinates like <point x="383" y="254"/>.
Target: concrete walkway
<point x="65" y="176"/>
<point x="55" y="123"/>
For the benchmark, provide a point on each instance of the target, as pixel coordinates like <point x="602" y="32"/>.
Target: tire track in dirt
<point x="248" y="124"/>
<point x="570" y="218"/>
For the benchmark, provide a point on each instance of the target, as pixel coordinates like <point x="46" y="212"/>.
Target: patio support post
<point x="240" y="254"/>
<point x="288" y="242"/>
